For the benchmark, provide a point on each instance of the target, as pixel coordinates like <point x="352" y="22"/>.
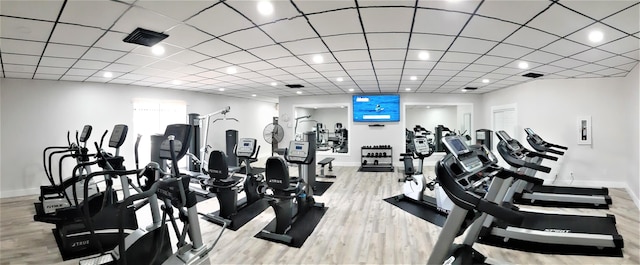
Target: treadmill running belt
<point x="575" y="224"/>
<point x="570" y="190"/>
<point x="544" y="248"/>
<point x="520" y="200"/>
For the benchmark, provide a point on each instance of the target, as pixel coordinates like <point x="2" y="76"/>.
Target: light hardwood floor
<point x="359" y="227"/>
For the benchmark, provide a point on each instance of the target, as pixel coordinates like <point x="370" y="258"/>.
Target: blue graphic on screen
<point x="376" y="108"/>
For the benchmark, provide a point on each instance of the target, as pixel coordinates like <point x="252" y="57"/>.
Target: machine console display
<point x="246" y="147"/>
<point x="513" y="145"/>
<point x="504" y="136"/>
<point x="529" y="131"/>
<point x="298" y="151"/>
<point x="421" y="145"/>
<point x="533" y="135"/>
<point x="459" y="149"/>
<point x="86" y="132"/>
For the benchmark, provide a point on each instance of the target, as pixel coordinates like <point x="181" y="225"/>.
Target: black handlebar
<point x="537" y="167"/>
<point x="102" y="138"/>
<point x="555" y="151"/>
<point x="510" y="216"/>
<point x="558" y="146"/>
<point x="541" y="155"/>
<point x="517" y="175"/>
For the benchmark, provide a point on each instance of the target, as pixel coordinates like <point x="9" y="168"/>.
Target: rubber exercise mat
<point x="243" y="216"/>
<point x="424" y="213"/>
<point x="321" y="187"/>
<point x="302" y="228"/>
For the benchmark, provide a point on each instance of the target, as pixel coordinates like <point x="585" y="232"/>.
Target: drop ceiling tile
<point x="383" y="55"/>
<point x="493" y="60"/>
<point x="414" y="55"/>
<point x="47" y="76"/>
<point x="633" y="54"/>
<point x="352" y="56"/>
<point x="215" y="48"/>
<point x="113" y="41"/>
<point x="568" y="63"/>
<point x="372" y="22"/>
<point x="451" y="66"/>
<point x="133" y="77"/>
<point x="327" y="67"/>
<point x="419" y="65"/>
<point x="141" y="18"/>
<point x="289" y="30"/>
<point x="346" y="42"/>
<point x="100" y="54"/>
<point x="592" y="55"/>
<point x="177" y="10"/>
<point x="24" y="29"/>
<point x="565" y="48"/>
<point x="81" y="72"/>
<point x="19" y="68"/>
<point x="361" y="72"/>
<point x="590" y="68"/>
<point x="488" y="29"/>
<point x="155" y="79"/>
<point x="298" y="69"/>
<point x="55" y="62"/>
<point x="142" y="83"/>
<point x="481" y="67"/>
<point x="627" y="67"/>
<point x="547" y="69"/>
<point x="510" y="51"/>
<point x="100" y="14"/>
<point x="273" y="72"/>
<point x="622" y="45"/>
<point x="383" y="65"/>
<point x="21" y="47"/>
<point x="590" y="76"/>
<point x="18" y="75"/>
<point x="320" y="6"/>
<point x="191" y="70"/>
<point x="570" y="73"/>
<point x="307" y="46"/>
<point x="257" y="66"/>
<point x="238" y="58"/>
<point x="121" y="81"/>
<point x="71" y="34"/>
<point x="282" y="10"/>
<point x="356" y="65"/>
<point x="166" y="65"/>
<point x="439" y="22"/>
<point x="459" y="57"/>
<point x="137" y="59"/>
<point x="336" y="22"/>
<point x="559" y="21"/>
<point x="186" y="36"/>
<point x="212" y="64"/>
<point x="233" y="21"/>
<point x="169" y="50"/>
<point x="388" y="40"/>
<point x="442" y="72"/>
<point x="270" y="52"/>
<point x="248" y="38"/>
<point x="51" y="70"/>
<point x="598" y="9"/>
<point x="582" y="36"/>
<point x="505" y="10"/>
<point x="26" y="9"/>
<point x="66" y="51"/>
<point x="541" y="57"/>
<point x="20" y="59"/>
<point x="187" y="57"/>
<point x="530" y="38"/>
<point x="470" y="45"/>
<point x="466" y="73"/>
<point x="88" y="64"/>
<point x="615" y="61"/>
<point x="286" y="62"/>
<point x="509" y="71"/>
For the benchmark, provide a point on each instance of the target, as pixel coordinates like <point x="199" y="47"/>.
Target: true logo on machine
<point x="80" y="243"/>
<point x="275" y="181"/>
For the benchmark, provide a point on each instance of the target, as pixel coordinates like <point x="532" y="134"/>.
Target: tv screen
<point x="376" y="108"/>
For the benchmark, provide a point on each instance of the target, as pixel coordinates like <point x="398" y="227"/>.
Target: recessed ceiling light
<point x="157" y="49"/>
<point x="350" y="89"/>
<point x="596" y="36"/>
<point x="315" y="107"/>
<point x="339" y="79"/>
<point x="318" y="58"/>
<point x="253" y="95"/>
<point x="274" y="84"/>
<point x="231" y="70"/>
<point x="413" y="77"/>
<point x="423" y="55"/>
<point x="220" y="89"/>
<point x="464" y="90"/>
<point x="428" y="107"/>
<point x="298" y="92"/>
<point x="407" y="89"/>
<point x="486" y="81"/>
<point x="176" y="82"/>
<point x="342" y="107"/>
<point x="108" y="74"/>
<point x="265" y="8"/>
<point x="523" y="65"/>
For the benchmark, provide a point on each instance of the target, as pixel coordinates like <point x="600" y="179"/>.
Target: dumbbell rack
<point x="376" y="158"/>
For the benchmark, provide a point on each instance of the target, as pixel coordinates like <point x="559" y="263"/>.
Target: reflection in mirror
<point x="330" y="125"/>
<point x="436" y="121"/>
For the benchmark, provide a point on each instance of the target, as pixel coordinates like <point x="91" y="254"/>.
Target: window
<point x="152" y="117"/>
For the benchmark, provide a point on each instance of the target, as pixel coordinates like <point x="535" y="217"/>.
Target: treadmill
<point x="523" y="192"/>
<point x="536" y="232"/>
<point x="541" y="145"/>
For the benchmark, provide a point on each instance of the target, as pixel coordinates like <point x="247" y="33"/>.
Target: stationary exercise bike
<point x="415" y="183"/>
<point x="226" y="184"/>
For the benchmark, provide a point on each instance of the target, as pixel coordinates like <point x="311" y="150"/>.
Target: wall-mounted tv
<point x="376" y="108"/>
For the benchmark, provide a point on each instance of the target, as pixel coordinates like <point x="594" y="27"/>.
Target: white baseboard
<point x="633" y="196"/>
<point x="17" y="193"/>
<point x="588" y="183"/>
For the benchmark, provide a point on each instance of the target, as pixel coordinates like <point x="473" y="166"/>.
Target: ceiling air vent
<point x="145" y="37"/>
<point x="470" y="88"/>
<point x="532" y="75"/>
<point x="294" y="86"/>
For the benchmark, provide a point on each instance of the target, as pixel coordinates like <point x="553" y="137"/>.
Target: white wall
<point x="38" y="113"/>
<point x="551" y="108"/>
<point x="361" y="134"/>
<point x="631" y="85"/>
<point x="430" y="118"/>
<point x="461" y="110"/>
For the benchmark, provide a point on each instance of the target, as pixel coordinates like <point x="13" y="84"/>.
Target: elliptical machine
<point x="227" y="184"/>
<point x="292" y="197"/>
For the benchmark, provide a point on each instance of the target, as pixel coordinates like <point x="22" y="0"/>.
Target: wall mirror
<point x="330" y="123"/>
<point x="435" y="120"/>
